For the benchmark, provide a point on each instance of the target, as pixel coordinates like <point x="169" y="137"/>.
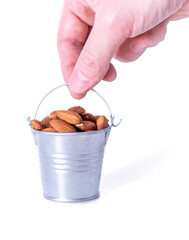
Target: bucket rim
<point x="72" y="133"/>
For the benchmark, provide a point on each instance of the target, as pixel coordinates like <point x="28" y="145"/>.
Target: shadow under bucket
<point x="71" y="163"/>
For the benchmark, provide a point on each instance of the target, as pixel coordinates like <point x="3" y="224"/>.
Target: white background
<point x="145" y="179"/>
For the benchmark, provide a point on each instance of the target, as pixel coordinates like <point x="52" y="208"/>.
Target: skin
<point x="92" y="32"/>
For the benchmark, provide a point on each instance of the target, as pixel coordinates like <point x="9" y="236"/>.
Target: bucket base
<point x="72" y="200"/>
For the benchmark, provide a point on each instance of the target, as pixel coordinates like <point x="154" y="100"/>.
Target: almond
<point x="61" y="126"/>
<point x="37" y="125"/>
<point x="86" y="125"/>
<point x="88" y="117"/>
<point x="96" y="117"/>
<point x="49" y="129"/>
<point x="69" y="116"/>
<point x="53" y="115"/>
<point x="46" y="122"/>
<point x="102" y="122"/>
<point x="77" y="109"/>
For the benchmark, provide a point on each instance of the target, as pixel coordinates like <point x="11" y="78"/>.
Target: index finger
<point x="72" y="34"/>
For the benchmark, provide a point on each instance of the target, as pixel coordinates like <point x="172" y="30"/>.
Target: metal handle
<point x="66" y="84"/>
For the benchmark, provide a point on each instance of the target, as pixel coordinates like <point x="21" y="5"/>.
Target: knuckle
<point x="59" y="44"/>
<point x="62" y="47"/>
<point x="89" y="64"/>
<point x="162" y="33"/>
<point x="116" y="22"/>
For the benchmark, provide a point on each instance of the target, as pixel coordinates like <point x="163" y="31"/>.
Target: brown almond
<point x="46" y="122"/>
<point x="49" y="129"/>
<point x="53" y="115"/>
<point x="77" y="109"/>
<point x="69" y="116"/>
<point x="61" y="126"/>
<point x="86" y="125"/>
<point x="96" y="117"/>
<point x="102" y="122"/>
<point x="37" y="125"/>
<point x="88" y="117"/>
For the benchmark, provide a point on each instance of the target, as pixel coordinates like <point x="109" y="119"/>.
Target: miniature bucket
<point x="71" y="163"/>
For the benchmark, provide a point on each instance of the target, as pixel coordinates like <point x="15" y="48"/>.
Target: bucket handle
<point x="104" y="101"/>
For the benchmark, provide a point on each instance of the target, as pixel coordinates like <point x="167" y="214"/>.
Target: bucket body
<point x="71" y="164"/>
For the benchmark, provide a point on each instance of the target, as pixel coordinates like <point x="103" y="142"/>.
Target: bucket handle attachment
<point x="104" y="101"/>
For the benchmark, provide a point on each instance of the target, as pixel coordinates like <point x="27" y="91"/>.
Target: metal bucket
<point x="71" y="163"/>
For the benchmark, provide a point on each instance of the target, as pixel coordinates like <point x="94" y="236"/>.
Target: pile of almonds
<point x="75" y="119"/>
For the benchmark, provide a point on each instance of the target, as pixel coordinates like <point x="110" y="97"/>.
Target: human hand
<point x="92" y="32"/>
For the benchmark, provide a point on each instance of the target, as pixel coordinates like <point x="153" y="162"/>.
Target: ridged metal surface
<point x="71" y="164"/>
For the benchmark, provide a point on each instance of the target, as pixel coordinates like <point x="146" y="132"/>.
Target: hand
<point x="92" y="32"/>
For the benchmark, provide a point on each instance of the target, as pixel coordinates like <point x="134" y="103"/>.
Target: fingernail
<point x="79" y="83"/>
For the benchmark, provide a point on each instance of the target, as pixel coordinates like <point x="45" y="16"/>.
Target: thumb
<point x="94" y="60"/>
